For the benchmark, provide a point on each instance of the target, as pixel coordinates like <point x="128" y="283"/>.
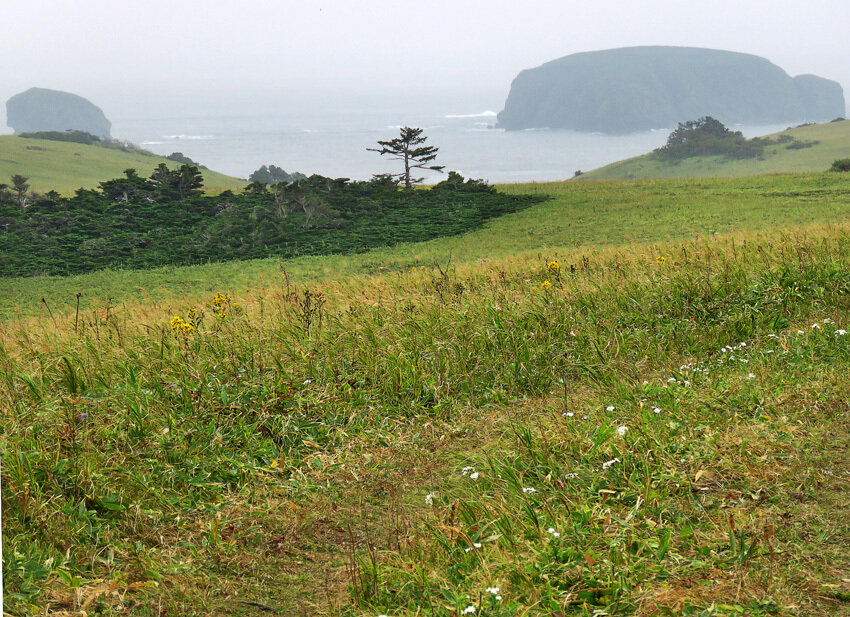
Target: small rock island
<point x="640" y="88"/>
<point x="40" y="109"/>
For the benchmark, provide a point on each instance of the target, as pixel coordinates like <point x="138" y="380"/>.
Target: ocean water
<point x="331" y="140"/>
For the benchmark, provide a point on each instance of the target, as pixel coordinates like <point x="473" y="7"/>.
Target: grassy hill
<point x="583" y="216"/>
<point x="65" y="166"/>
<point x="628" y="400"/>
<point x="833" y="143"/>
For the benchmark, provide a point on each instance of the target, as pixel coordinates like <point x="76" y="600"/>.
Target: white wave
<point x="153" y="143"/>
<point x="483" y="114"/>
<point x="187" y="137"/>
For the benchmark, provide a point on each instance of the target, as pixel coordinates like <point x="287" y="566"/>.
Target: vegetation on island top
<point x="653" y="428"/>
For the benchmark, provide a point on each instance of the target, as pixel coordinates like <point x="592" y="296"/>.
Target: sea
<point x="331" y="138"/>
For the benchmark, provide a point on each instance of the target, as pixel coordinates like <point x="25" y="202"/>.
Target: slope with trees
<point x="804" y="148"/>
<point x="67" y="161"/>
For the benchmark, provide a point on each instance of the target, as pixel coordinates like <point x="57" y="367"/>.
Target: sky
<point x="157" y="54"/>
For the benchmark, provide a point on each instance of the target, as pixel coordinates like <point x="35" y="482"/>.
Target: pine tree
<point x="407" y="147"/>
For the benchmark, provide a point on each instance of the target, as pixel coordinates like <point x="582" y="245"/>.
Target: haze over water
<point x="329" y="136"/>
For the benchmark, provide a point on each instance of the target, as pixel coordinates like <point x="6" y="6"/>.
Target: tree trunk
<point x="407" y="170"/>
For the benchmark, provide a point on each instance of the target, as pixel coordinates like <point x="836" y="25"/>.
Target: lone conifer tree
<point x="407" y="147"/>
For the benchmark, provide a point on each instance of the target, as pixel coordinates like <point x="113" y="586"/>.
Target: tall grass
<point x="149" y="460"/>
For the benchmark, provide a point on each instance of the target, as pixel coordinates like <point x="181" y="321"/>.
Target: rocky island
<point x="640" y="88"/>
<point x="40" y="109"/>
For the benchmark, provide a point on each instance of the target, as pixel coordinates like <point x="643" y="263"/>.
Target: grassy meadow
<point x="577" y="216"/>
<point x="830" y="141"/>
<point x="64" y="166"/>
<point x="628" y="400"/>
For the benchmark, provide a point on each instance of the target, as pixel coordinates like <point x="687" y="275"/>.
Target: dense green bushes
<point x="136" y="222"/>
<point x="709" y="137"/>
<point x="77" y="137"/>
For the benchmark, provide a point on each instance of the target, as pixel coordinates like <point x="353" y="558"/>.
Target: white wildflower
<point x="622" y="430"/>
<point x="656" y="410"/>
<point x="568" y="414"/>
<point x="572" y="475"/>
<point x="841" y="332"/>
<point x="429" y="498"/>
<point x="469" y="610"/>
<point x="607" y="464"/>
<point x="473" y="476"/>
<point x="672" y="380"/>
<point x="493" y="590"/>
<point x="529" y="489"/>
<point x="466" y="471"/>
<point x="751" y="376"/>
<point x="551" y="531"/>
<point x="800" y="332"/>
<point x="815" y="326"/>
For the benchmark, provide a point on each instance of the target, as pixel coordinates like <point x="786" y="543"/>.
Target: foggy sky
<point x="240" y="53"/>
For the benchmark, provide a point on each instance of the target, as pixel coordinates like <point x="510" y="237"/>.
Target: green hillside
<point x="630" y="399"/>
<point x="577" y="217"/>
<point x="66" y="166"/>
<point x="833" y="143"/>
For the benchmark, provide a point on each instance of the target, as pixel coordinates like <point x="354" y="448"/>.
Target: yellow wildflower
<point x="181" y="326"/>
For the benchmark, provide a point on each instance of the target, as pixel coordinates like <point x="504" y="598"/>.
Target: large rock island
<point x="640" y="88"/>
<point x="40" y="109"/>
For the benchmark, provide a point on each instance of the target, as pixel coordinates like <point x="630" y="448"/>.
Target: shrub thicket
<point x="707" y="137"/>
<point x="74" y="136"/>
<point x="840" y="165"/>
<point x="136" y="222"/>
